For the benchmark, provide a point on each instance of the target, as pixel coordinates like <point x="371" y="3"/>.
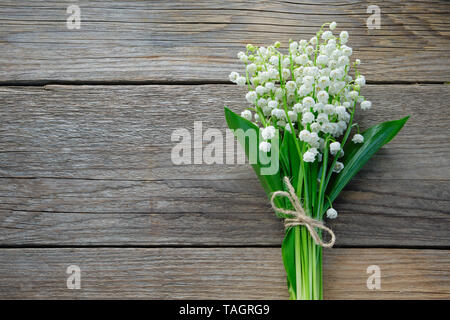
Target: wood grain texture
<point x="198" y="41"/>
<point x="90" y="165"/>
<point x="216" y="273"/>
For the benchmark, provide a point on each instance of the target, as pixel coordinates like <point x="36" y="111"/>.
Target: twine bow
<point x="299" y="217"/>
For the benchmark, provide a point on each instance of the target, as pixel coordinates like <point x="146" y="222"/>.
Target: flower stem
<point x="344" y="140"/>
<point x="321" y="194"/>
<point x="298" y="264"/>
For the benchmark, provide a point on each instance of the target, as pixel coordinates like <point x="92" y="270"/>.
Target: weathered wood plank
<point x="91" y="165"/>
<point x="198" y="41"/>
<point x="124" y="132"/>
<point x="217" y="273"/>
<point x="222" y="212"/>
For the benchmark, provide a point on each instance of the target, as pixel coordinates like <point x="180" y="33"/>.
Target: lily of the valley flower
<point x="309" y="87"/>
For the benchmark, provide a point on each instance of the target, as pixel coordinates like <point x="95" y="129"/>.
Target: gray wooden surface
<point x="216" y="273"/>
<point x="198" y="40"/>
<point x="86" y="176"/>
<point x="75" y="156"/>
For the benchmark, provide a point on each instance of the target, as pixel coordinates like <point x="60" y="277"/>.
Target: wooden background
<point x="86" y="177"/>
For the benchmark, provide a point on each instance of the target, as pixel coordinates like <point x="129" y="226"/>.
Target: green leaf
<point x="270" y="182"/>
<point x="290" y="164"/>
<point x="288" y="254"/>
<point x="356" y="155"/>
<point x="289" y="159"/>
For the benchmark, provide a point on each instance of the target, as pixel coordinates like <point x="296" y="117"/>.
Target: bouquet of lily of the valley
<point x="300" y="137"/>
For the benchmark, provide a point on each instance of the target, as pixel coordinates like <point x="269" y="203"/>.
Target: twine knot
<point x="298" y="216"/>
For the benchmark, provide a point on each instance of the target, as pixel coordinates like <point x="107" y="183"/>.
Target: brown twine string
<point x="299" y="217"/>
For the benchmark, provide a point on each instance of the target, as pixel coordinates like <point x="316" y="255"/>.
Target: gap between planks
<point x="214" y="246"/>
<point x="44" y="83"/>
